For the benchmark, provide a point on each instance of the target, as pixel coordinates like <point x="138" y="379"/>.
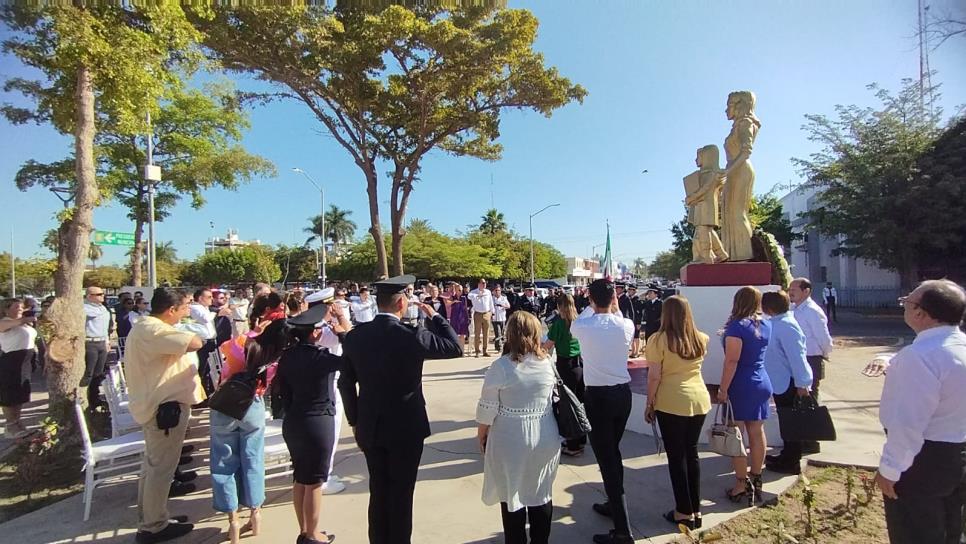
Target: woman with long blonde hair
<point x="570" y="366"/>
<point x="518" y="433"/>
<point x="678" y="399"/>
<point x="745" y="385"/>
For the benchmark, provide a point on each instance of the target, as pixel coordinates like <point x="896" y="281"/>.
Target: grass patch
<point x="42" y="469"/>
<point x="841" y="513"/>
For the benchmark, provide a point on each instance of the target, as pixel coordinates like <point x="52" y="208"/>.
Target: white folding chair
<point x="122" y="422"/>
<point x="277" y="460"/>
<point x="215" y="363"/>
<point x="121" y="341"/>
<point x="107" y="459"/>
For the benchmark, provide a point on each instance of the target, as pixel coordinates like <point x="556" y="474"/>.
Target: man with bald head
<point x="922" y="473"/>
<point x="98" y="326"/>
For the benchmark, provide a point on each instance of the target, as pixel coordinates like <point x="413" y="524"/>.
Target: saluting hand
<point x="426" y="309"/>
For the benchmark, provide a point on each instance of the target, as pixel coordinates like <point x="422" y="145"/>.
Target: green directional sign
<point x="108" y="238"/>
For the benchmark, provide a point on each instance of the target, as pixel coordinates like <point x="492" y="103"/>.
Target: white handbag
<point x="725" y="436"/>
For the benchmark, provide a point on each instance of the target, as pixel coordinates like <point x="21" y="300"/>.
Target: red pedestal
<point x="722" y="274"/>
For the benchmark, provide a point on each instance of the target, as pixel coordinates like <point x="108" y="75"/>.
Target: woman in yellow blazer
<point x="679" y="400"/>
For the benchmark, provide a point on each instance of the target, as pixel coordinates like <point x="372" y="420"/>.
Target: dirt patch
<point x="832" y="522"/>
<point x="888" y="343"/>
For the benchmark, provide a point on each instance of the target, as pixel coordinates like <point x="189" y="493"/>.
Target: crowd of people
<point x="312" y="357"/>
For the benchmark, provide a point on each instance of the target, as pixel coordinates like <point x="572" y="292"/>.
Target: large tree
<point x="106" y="59"/>
<point x="230" y="266"/>
<point x="195" y="136"/>
<point x="393" y="85"/>
<point x="339" y="229"/>
<point x="493" y="222"/>
<point x="877" y="195"/>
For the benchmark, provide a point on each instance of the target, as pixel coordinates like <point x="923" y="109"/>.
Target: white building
<point x="230" y="241"/>
<point x="581" y="271"/>
<point x="859" y="283"/>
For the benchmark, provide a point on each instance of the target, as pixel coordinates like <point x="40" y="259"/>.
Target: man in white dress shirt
<point x="605" y="341"/>
<point x="922" y="473"/>
<point x="204" y="319"/>
<point x="500" y="306"/>
<point x="363" y="309"/>
<point x="818" y="342"/>
<point x="482" y="301"/>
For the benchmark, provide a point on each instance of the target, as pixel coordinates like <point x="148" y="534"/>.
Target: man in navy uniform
<point x="530" y="302"/>
<point x="381" y="387"/>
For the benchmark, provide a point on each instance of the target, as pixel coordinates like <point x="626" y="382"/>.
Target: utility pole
<point x="532" y="215"/>
<point x="152" y="175"/>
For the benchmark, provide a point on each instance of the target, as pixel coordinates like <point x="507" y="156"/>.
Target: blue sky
<point x="658" y="75"/>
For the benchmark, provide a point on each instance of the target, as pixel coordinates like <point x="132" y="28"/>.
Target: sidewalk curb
<point x="818" y="463"/>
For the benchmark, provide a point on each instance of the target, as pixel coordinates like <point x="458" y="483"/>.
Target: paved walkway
<point x="448" y="506"/>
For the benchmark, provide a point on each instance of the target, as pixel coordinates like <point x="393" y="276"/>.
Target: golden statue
<point x="702" y="189"/>
<point x="740" y="176"/>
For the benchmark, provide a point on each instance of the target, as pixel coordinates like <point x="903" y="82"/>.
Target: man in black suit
<point x="624" y="302"/>
<point x="387" y="412"/>
<point x="652" y="312"/>
<point x="530" y="302"/>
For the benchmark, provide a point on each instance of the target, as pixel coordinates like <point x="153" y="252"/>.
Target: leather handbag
<point x="569" y="412"/>
<point x="805" y="421"/>
<point x="234" y="397"/>
<point x="724" y="435"/>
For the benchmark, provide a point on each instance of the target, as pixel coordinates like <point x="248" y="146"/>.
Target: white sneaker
<point x="332" y="486"/>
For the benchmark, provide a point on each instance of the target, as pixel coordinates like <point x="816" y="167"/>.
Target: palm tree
<point x="492" y="222"/>
<point x="165" y="252"/>
<point x="94" y="253"/>
<point x="339" y="229"/>
<point x="640" y="268"/>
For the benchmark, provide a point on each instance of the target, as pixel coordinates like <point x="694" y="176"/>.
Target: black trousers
<point x="608" y="408"/>
<point x="515" y="524"/>
<point x="567" y="368"/>
<point x="651" y="329"/>
<point x="680" y="434"/>
<point x="791" y="451"/>
<point x="931" y="493"/>
<point x="830" y="309"/>
<point x="95" y="361"/>
<point x="499" y="328"/>
<point x="392" y="481"/>
<point x="204" y="366"/>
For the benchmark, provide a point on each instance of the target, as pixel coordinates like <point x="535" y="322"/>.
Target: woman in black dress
<point x="304" y="383"/>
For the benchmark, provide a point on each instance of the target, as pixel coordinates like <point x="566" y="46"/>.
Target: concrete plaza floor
<point x="448" y="507"/>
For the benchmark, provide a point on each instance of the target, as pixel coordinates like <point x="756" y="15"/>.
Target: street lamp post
<point x="152" y="175"/>
<point x="322" y="217"/>
<point x="532" y="215"/>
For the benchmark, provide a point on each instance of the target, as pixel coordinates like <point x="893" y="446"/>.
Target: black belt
<point x="618" y="386"/>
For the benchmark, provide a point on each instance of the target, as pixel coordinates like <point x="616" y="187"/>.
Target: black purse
<point x="569" y="412"/>
<point x="805" y="421"/>
<point x="236" y="395"/>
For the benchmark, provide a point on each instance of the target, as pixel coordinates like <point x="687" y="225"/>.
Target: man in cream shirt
<point x="482" y="301"/>
<point x="160" y="365"/>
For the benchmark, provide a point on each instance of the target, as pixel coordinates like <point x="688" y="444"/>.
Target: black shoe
<point x="769" y="459"/>
<point x="785" y="468"/>
<point x="172" y="531"/>
<point x="185" y="477"/>
<point x="185" y="459"/>
<point x="613" y="538"/>
<point x="687" y="522"/>
<point x="808" y="448"/>
<point x="187" y="448"/>
<point x="178" y="489"/>
<point x="602" y="508"/>
<point x="179" y="519"/>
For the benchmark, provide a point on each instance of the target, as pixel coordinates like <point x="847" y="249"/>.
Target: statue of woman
<point x="740" y="176"/>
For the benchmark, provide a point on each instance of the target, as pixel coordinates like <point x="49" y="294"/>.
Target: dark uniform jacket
<point x="638" y="310"/>
<point x="626" y="307"/>
<point x="652" y="314"/>
<point x="534" y="306"/>
<point x="385" y="358"/>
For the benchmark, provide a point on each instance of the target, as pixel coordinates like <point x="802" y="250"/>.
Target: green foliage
<point x="781" y="273"/>
<point x="248" y="264"/>
<point x="34" y="454"/>
<point x="34" y="275"/>
<point x="396" y="84"/>
<point x="339" y="229"/>
<point x="766" y="213"/>
<point x="889" y="168"/>
<point x="667" y="265"/>
<point x="639" y="268"/>
<point x="108" y="277"/>
<point x="297" y="263"/>
<point x="493" y="223"/>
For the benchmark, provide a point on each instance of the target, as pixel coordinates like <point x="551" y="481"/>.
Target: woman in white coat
<point x="518" y="433"/>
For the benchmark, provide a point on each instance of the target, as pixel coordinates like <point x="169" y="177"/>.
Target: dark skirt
<point x="310" y="441"/>
<point x="14" y="380"/>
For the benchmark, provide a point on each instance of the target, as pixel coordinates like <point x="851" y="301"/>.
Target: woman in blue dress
<point x="745" y="384"/>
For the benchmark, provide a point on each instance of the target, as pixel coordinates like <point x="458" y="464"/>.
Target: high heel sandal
<point x="738" y="497"/>
<point x="756" y="486"/>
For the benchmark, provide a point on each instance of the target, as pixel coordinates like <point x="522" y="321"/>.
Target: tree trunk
<point x="65" y="364"/>
<point x="382" y="263"/>
<point x="137" y="252"/>
<point x="397" y="238"/>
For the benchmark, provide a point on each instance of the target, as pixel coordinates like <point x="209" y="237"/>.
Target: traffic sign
<point x="108" y="238"/>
